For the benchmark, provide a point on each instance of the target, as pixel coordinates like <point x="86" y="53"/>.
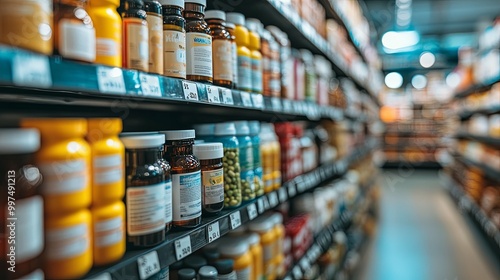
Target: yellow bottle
<point x="108" y="28"/>
<point x="64" y="161"/>
<point x="264" y="226"/>
<point x="279" y="238"/>
<point x="253" y="26"/>
<point x="276" y="151"/>
<point x="68" y="245"/>
<point x="108" y="179"/>
<point x="239" y="252"/>
<point x="108" y="229"/>
<point x="244" y="54"/>
<point x="257" y="255"/>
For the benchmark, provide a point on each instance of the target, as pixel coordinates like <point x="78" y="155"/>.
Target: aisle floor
<point x="422" y="235"/>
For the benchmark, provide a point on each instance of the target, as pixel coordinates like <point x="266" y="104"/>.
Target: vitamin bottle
<point x="186" y="178"/>
<point x="212" y="176"/>
<point x="257" y="159"/>
<point x="135" y="44"/>
<point x="284" y="60"/>
<point x="279" y="233"/>
<point x="36" y="16"/>
<point x="145" y="189"/>
<point x="20" y="184"/>
<point x="205" y="131"/>
<point x="273" y="68"/>
<point x="174" y="39"/>
<point x="257" y="255"/>
<point x="74" y="33"/>
<point x="244" y="55"/>
<point x="234" y="53"/>
<point x="225" y="269"/>
<point x="221" y="48"/>
<point x="237" y="250"/>
<point x="310" y="78"/>
<point x="108" y="25"/>
<point x="266" y="61"/>
<point x="198" y="42"/>
<point x="266" y="153"/>
<point x="264" y="227"/>
<point x="155" y="33"/>
<point x="167" y="169"/>
<point x="253" y="26"/>
<point x="186" y="274"/>
<point x="108" y="228"/>
<point x="246" y="160"/>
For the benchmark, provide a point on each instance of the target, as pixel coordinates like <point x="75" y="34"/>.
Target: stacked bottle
<point x="221" y="47"/>
<point x="257" y="159"/>
<point x="174" y="35"/>
<point x="108" y="31"/>
<point x="245" y="147"/>
<point x="254" y="26"/>
<point x="244" y="54"/>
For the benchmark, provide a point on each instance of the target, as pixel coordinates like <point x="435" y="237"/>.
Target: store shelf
<point x="491" y="141"/>
<point x="488" y="171"/>
<point x="404" y="163"/>
<point x="477" y="88"/>
<point x="495" y="109"/>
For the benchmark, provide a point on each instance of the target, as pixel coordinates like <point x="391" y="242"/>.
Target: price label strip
<point x="110" y="80"/>
<point x="260" y="205"/>
<point x="258" y="101"/>
<point x="31" y="70"/>
<point x="103" y="276"/>
<point x="190" y="90"/>
<point x="273" y="199"/>
<point x="213" y="232"/>
<point x="276" y="104"/>
<point x="283" y="195"/>
<point x="292" y="189"/>
<point x="227" y="97"/>
<point x="252" y="211"/>
<point x="183" y="247"/>
<point x="150" y="85"/>
<point x="148" y="265"/>
<point x="245" y="99"/>
<point x="235" y="219"/>
<point x="213" y="94"/>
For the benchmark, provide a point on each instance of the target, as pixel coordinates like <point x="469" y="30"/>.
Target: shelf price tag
<point x="150" y="85"/>
<point x="110" y="80"/>
<point x="235" y="219"/>
<point x="292" y="190"/>
<point x="227" y="97"/>
<point x="213" y="232"/>
<point x="260" y="205"/>
<point x="102" y="276"/>
<point x="190" y="90"/>
<point x="245" y="99"/>
<point x="213" y="94"/>
<point x="148" y="265"/>
<point x="252" y="211"/>
<point x="282" y="194"/>
<point x="258" y="100"/>
<point x="297" y="273"/>
<point x="287" y="105"/>
<point x="31" y="70"/>
<point x="276" y="104"/>
<point x="273" y="199"/>
<point x="183" y="247"/>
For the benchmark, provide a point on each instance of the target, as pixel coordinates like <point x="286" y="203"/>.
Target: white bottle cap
<point x="261" y="225"/>
<point x="253" y="24"/>
<point x="215" y="14"/>
<point x="236" y="18"/>
<point x="253" y="238"/>
<point x="242" y="128"/>
<point x="179" y="134"/>
<point x="177" y="3"/>
<point x="233" y="247"/>
<point x="19" y="141"/>
<point x="254" y="127"/>
<point x="207" y="151"/>
<point x="206" y="129"/>
<point x="225" y="129"/>
<point x="200" y="2"/>
<point x="142" y="141"/>
<point x="230" y="25"/>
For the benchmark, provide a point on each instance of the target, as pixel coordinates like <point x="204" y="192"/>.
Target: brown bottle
<point x="135" y="43"/>
<point x="221" y="48"/>
<point x="212" y="176"/>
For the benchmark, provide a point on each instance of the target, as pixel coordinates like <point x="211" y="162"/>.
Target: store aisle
<point x="422" y="235"/>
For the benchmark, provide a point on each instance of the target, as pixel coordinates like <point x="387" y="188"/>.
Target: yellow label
<point x="174" y="48"/>
<point x="213" y="186"/>
<point x="221" y="50"/>
<point x="155" y="26"/>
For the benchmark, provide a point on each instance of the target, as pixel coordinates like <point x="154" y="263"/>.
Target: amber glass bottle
<point x="155" y="29"/>
<point x="174" y="39"/>
<point x="221" y="48"/>
<point x="135" y="39"/>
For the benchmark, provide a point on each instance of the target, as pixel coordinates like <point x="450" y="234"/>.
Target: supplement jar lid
<point x="208" y="272"/>
<point x="236" y="18"/>
<point x="199" y="2"/>
<point x="207" y="151"/>
<point x="227" y="128"/>
<point x="205" y="129"/>
<point x="234" y="247"/>
<point x="137" y="141"/>
<point x="19" y="140"/>
<point x="215" y="14"/>
<point x="177" y="3"/>
<point x="254" y="127"/>
<point x="230" y="25"/>
<point x="186" y="274"/>
<point x="179" y="134"/>
<point x="261" y="225"/>
<point x="253" y="238"/>
<point x="224" y="266"/>
<point x="242" y="128"/>
<point x="277" y="218"/>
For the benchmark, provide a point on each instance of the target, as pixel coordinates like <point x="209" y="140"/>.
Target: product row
<point x="479" y="153"/>
<point x="482" y="125"/>
<point x="479" y="101"/>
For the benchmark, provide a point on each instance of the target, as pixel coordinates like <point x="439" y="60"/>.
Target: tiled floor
<point x="422" y="235"/>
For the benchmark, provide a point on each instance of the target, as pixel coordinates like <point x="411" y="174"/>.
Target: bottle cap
<point x="261" y="225"/>
<point x="206" y="151"/>
<point x="215" y="14"/>
<point x="224" y="266"/>
<point x="178" y="134"/>
<point x="242" y="128"/>
<point x="195" y="262"/>
<point x="234" y="247"/>
<point x="207" y="273"/>
<point x="253" y="238"/>
<point x="225" y="129"/>
<point x="230" y="25"/>
<point x="236" y="18"/>
<point x="142" y="141"/>
<point x="186" y="274"/>
<point x="277" y="218"/>
<point x="19" y="141"/>
<point x="206" y="129"/>
<point x="254" y="127"/>
<point x="199" y="2"/>
<point x="177" y="3"/>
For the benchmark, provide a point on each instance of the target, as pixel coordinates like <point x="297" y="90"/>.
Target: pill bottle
<point x="221" y="48"/>
<point x="276" y="152"/>
<point x="145" y="189"/>
<point x="212" y="176"/>
<point x="174" y="39"/>
<point x="198" y="42"/>
<point x="225" y="269"/>
<point x="205" y="131"/>
<point x="18" y="16"/>
<point x="135" y="38"/>
<point x="257" y="255"/>
<point x="264" y="226"/>
<point x="238" y="250"/>
<point x="279" y="231"/>
<point x="167" y="169"/>
<point x="208" y="273"/>
<point x="154" y="18"/>
<point x="254" y="26"/>
<point x="174" y="270"/>
<point x="257" y="159"/>
<point x="285" y="53"/>
<point x="64" y="161"/>
<point x="108" y="28"/>
<point x="310" y="78"/>
<point x="234" y="53"/>
<point x="266" y="153"/>
<point x="246" y="160"/>
<point x="186" y="178"/>
<point x="244" y="55"/>
<point x="186" y="274"/>
<point x="20" y="184"/>
<point x="108" y="228"/>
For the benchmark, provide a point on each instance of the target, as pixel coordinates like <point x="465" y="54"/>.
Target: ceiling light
<point x="404" y="14"/>
<point x="453" y="80"/>
<point x="397" y="40"/>
<point x="419" y="81"/>
<point x="402" y="4"/>
<point x="427" y="59"/>
<point x="393" y="80"/>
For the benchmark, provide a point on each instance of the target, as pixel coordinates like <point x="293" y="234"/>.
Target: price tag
<point x="235" y="219"/>
<point x="31" y="70"/>
<point x="260" y="205"/>
<point x="103" y="276"/>
<point x="252" y="211"/>
<point x="273" y="199"/>
<point x="292" y="190"/>
<point x="282" y="194"/>
<point x="190" y="90"/>
<point x="183" y="247"/>
<point x="258" y="101"/>
<point x="213" y="232"/>
<point x="110" y="80"/>
<point x="276" y="104"/>
<point x="297" y="273"/>
<point x="150" y="85"/>
<point x="287" y="105"/>
<point x="227" y="96"/>
<point x="245" y="99"/>
<point x="266" y="203"/>
<point x="148" y="265"/>
<point x="213" y="94"/>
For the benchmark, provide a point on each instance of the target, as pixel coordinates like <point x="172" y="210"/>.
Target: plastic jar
<point x="253" y="26"/>
<point x="174" y="34"/>
<point x="267" y="157"/>
<point x="257" y="161"/>
<point x="208" y="273"/>
<point x="108" y="228"/>
<point x="212" y="176"/>
<point x="257" y="255"/>
<point x="310" y="78"/>
<point x="246" y="160"/>
<point x="205" y="131"/>
<point x="279" y="231"/>
<point x="155" y="34"/>
<point x="239" y="252"/>
<point x="20" y="184"/>
<point x="108" y="28"/>
<point x="277" y="159"/>
<point x="198" y="42"/>
<point x="145" y="193"/>
<point x="135" y="44"/>
<point x="272" y="76"/>
<point x="244" y="55"/>
<point x="234" y="53"/>
<point x="186" y="178"/>
<point x="265" y="228"/>
<point x="221" y="48"/>
<point x="225" y="269"/>
<point x="225" y="133"/>
<point x="64" y="161"/>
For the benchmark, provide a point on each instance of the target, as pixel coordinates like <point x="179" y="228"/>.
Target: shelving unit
<point x="489" y="172"/>
<point x="477" y="88"/>
<point x="491" y="141"/>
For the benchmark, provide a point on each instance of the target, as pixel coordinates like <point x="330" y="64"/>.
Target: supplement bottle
<point x="108" y="28"/>
<point x="208" y="273"/>
<point x="257" y="255"/>
<point x="234" y="53"/>
<point x="266" y="153"/>
<point x="253" y="26"/>
<point x="135" y="38"/>
<point x="145" y="193"/>
<point x="264" y="226"/>
<point x="195" y="262"/>
<point x="244" y="55"/>
<point x="167" y="169"/>
<point x="276" y="152"/>
<point x="284" y="60"/>
<point x="257" y="160"/>
<point x="20" y="184"/>
<point x="198" y="42"/>
<point x="237" y="250"/>
<point x="310" y="78"/>
<point x="155" y="33"/>
<point x="108" y="228"/>
<point x="221" y="48"/>
<point x="17" y="16"/>
<point x="174" y="270"/>
<point x="274" y="71"/>
<point x="174" y="39"/>
<point x="186" y="178"/>
<point x="212" y="176"/>
<point x="205" y="131"/>
<point x="246" y="160"/>
<point x="74" y="33"/>
<point x="225" y="269"/>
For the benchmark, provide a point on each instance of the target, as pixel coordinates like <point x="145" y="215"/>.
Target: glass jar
<point x="246" y="160"/>
<point x="186" y="178"/>
<point x="155" y="34"/>
<point x="135" y="44"/>
<point x="174" y="34"/>
<point x="167" y="169"/>
<point x="234" y="53"/>
<point x="212" y="176"/>
<point x="244" y="55"/>
<point x="221" y="48"/>
<point x="108" y="28"/>
<point x="257" y="160"/>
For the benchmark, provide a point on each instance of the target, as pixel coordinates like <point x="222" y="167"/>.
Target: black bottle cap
<point x="195" y="262"/>
<point x="186" y="274"/>
<point x="224" y="266"/>
<point x="211" y="254"/>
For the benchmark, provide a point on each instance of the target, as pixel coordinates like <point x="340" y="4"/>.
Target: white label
<point x="186" y="196"/>
<point x="213" y="232"/>
<point x="260" y="205"/>
<point x="276" y="104"/>
<point x="213" y="94"/>
<point x="150" y="85"/>
<point x="148" y="265"/>
<point x="67" y="242"/>
<point x="37" y="74"/>
<point x="190" y="90"/>
<point x="108" y="232"/>
<point x="62" y="177"/>
<point x="252" y="211"/>
<point x="168" y="201"/>
<point x="227" y="96"/>
<point x="145" y="209"/>
<point x="213" y="186"/>
<point x="258" y="100"/>
<point x="183" y="247"/>
<point x="28" y="228"/>
<point x="244" y="73"/>
<point x="76" y="40"/>
<point x="199" y="54"/>
<point x="107" y="47"/>
<point x="234" y="60"/>
<point x="110" y="80"/>
<point x="256" y="75"/>
<point x="107" y="169"/>
<point x="37" y="275"/>
<point x="292" y="190"/>
<point x="243" y="274"/>
<point x="282" y="194"/>
<point x="273" y="199"/>
<point x="235" y="219"/>
<point x="245" y="98"/>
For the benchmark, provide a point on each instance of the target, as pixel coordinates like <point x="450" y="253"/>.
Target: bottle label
<point x="246" y="157"/>
<point x="107" y="47"/>
<point x="62" y="177"/>
<point x="145" y="209"/>
<point x="136" y="45"/>
<point x="107" y="169"/>
<point x="244" y="72"/>
<point x="222" y="61"/>
<point x="76" y="40"/>
<point x="29" y="228"/>
<point x="186" y="196"/>
<point x="155" y="26"/>
<point x="67" y="242"/>
<point x="256" y="75"/>
<point x="168" y="201"/>
<point x="268" y="251"/>
<point x="199" y="54"/>
<point x="109" y="232"/>
<point x="213" y="186"/>
<point x="244" y="273"/>
<point x="234" y="62"/>
<point x="174" y="58"/>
